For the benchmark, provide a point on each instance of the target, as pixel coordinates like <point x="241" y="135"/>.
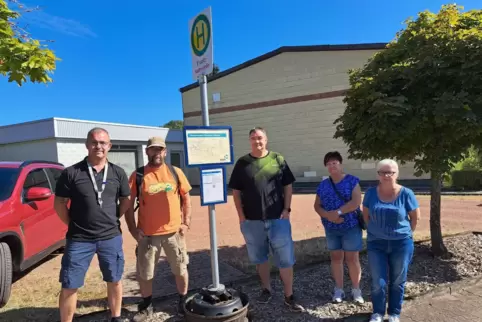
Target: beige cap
<point x="156" y="141"/>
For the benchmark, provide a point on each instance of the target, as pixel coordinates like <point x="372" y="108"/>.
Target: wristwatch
<point x="339" y="212"/>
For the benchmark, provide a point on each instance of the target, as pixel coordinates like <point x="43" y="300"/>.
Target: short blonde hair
<point x="388" y="162"/>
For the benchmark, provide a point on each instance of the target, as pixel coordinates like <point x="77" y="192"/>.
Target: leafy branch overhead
<point x="174" y="124"/>
<point x="420" y="98"/>
<point x="22" y="58"/>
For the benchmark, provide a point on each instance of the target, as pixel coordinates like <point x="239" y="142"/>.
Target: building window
<point x="176" y="159"/>
<point x="120" y="147"/>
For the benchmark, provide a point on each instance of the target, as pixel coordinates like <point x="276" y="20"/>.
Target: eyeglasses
<point x="102" y="143"/>
<point x="386" y="173"/>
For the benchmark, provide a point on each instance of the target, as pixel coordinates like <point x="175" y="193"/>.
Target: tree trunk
<point x="438" y="247"/>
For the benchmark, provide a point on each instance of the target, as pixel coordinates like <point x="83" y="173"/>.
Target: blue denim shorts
<point x="348" y="240"/>
<point x="78" y="256"/>
<point x="261" y="236"/>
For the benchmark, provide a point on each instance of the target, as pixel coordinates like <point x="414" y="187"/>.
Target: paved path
<point x="463" y="303"/>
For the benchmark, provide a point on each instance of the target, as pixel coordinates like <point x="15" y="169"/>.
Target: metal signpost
<point x="207" y="145"/>
<point x="210" y="148"/>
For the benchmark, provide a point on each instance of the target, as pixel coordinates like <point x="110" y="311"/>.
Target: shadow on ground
<point x="18" y="276"/>
<point x="426" y="268"/>
<point x="30" y="314"/>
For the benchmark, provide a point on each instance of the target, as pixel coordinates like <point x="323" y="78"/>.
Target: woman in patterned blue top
<point x="391" y="212"/>
<point x="342" y="230"/>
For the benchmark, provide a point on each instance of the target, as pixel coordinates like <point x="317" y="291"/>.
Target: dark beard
<point x="155" y="164"/>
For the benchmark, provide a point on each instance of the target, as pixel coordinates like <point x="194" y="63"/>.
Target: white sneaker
<point x="376" y="318"/>
<point x="338" y="295"/>
<point x="357" y="296"/>
<point x="393" y="318"/>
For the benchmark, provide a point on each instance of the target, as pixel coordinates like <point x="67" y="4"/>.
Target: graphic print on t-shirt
<point x="261" y="182"/>
<point x="159" y="187"/>
<point x="266" y="169"/>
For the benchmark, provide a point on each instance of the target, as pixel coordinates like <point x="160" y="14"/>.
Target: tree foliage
<point x="215" y="70"/>
<point x="174" y="124"/>
<point x="472" y="160"/>
<point x="21" y="57"/>
<point x="420" y="98"/>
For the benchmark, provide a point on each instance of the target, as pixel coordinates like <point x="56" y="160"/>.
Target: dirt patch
<point x="314" y="285"/>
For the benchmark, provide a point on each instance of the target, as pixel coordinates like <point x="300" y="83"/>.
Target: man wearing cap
<point x="164" y="217"/>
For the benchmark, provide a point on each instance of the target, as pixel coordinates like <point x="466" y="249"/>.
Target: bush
<point x="472" y="160"/>
<point x="467" y="179"/>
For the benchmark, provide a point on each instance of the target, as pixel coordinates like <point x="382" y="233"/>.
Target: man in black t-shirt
<point x="98" y="192"/>
<point x="262" y="191"/>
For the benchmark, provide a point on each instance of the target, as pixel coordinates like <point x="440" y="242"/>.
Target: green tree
<point x="420" y="100"/>
<point x="215" y="70"/>
<point x="174" y="124"/>
<point x="21" y="57"/>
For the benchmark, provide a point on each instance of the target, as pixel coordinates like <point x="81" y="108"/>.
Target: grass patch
<point x="35" y="298"/>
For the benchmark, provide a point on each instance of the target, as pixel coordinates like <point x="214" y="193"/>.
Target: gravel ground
<point x="313" y="285"/>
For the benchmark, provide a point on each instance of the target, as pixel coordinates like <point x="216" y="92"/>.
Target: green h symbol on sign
<point x="200" y="31"/>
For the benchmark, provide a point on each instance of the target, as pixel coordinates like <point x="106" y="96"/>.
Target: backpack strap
<point x="176" y="178"/>
<point x="139" y="177"/>
<point x="174" y="174"/>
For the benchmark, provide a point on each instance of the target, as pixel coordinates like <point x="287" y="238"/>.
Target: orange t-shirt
<point x="159" y="210"/>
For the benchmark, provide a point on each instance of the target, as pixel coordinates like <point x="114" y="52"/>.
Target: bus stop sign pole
<point x="216" y="286"/>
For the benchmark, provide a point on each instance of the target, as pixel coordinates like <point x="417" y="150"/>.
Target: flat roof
<point x="64" y="128"/>
<point x="288" y="49"/>
<point x="77" y="121"/>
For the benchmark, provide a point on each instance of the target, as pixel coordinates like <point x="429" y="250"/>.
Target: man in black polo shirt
<point x="262" y="190"/>
<point x="99" y="192"/>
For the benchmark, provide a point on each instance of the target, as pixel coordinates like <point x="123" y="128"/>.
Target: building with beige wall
<point x="295" y="93"/>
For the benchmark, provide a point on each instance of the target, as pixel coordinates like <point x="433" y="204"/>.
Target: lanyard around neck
<point x="94" y="182"/>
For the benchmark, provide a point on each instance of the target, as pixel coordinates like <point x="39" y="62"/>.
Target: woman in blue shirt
<point x="391" y="212"/>
<point x="340" y="220"/>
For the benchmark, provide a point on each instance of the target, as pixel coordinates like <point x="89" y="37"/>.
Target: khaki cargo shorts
<point x="149" y="252"/>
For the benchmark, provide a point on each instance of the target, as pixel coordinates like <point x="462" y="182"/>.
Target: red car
<point x="30" y="229"/>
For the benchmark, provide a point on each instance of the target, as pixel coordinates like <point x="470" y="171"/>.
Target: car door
<point x="37" y="215"/>
<point x="58" y="226"/>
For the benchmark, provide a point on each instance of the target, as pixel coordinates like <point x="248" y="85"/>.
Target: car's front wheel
<point x="5" y="273"/>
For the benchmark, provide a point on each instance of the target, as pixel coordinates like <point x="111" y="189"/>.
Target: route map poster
<point x="208" y="146"/>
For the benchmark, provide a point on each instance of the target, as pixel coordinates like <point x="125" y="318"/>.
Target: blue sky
<point x="124" y="62"/>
